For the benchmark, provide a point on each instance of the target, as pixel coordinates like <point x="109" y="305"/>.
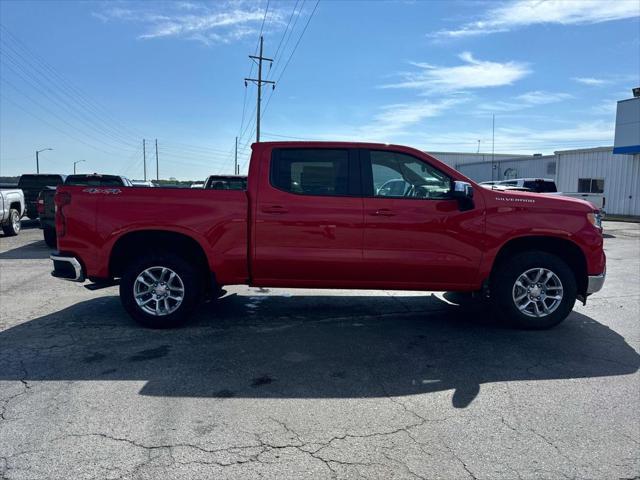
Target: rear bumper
<point x="596" y="282"/>
<point x="67" y="267"/>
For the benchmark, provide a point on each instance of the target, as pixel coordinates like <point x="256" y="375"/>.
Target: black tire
<point x="187" y="274"/>
<point x="50" y="237"/>
<point x="12" y="228"/>
<point x="508" y="272"/>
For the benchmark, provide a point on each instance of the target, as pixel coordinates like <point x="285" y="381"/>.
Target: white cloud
<point x="582" y="135"/>
<point x="394" y="119"/>
<point x="207" y="23"/>
<point x="522" y="140"/>
<point x="523" y="101"/>
<point x="522" y="13"/>
<point x="539" y="97"/>
<point x="471" y="74"/>
<point x="441" y="88"/>
<point x="594" y="82"/>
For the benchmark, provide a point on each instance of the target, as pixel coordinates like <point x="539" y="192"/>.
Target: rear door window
<point x="309" y="171"/>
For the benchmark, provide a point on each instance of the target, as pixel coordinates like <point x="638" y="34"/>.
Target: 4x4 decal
<point x="114" y="191"/>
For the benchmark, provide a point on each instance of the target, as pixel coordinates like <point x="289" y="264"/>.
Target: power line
<point x="259" y="82"/>
<point x="244" y="100"/>
<point x="266" y="10"/>
<point x="293" y="52"/>
<point x="275" y="56"/>
<point x="275" y="135"/>
<point x="285" y="67"/>
<point x="58" y="117"/>
<point x="60" y="101"/>
<point x="65" y="85"/>
<point x="196" y="148"/>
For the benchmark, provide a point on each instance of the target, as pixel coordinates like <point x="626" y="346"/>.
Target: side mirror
<point x="461" y="189"/>
<point x="463" y="192"/>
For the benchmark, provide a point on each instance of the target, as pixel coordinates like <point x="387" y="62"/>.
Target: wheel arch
<point x="136" y="242"/>
<point x="568" y="251"/>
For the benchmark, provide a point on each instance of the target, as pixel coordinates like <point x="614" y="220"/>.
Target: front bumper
<point x="67" y="267"/>
<point x="595" y="283"/>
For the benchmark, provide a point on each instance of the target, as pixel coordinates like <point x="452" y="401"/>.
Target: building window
<point x="551" y="168"/>
<point x="591" y="185"/>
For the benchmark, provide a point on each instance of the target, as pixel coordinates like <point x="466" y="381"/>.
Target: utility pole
<point x="144" y="158"/>
<point x="493" y="143"/>
<point x="259" y="82"/>
<point x="235" y="165"/>
<point x="157" y="164"/>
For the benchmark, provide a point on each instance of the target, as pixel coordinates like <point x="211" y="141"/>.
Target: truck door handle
<point x="383" y="212"/>
<point x="274" y="209"/>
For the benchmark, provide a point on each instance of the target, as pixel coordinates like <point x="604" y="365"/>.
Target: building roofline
<point x="480" y="154"/>
<point x="629" y="99"/>
<point x="592" y="149"/>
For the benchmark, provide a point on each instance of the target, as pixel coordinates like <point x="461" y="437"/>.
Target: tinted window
<point x="540" y="186"/>
<point x="403" y="176"/>
<point x="311" y="171"/>
<point x="227" y="183"/>
<point x="31" y="181"/>
<point x="94" y="181"/>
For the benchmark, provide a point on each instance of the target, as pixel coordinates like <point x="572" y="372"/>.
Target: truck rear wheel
<point x="13" y="225"/>
<point x="533" y="290"/>
<point x="160" y="290"/>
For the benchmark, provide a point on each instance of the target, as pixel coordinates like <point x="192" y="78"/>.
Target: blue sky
<point x="92" y="79"/>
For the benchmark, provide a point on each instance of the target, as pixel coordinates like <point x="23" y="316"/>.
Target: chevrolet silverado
<point x="323" y="215"/>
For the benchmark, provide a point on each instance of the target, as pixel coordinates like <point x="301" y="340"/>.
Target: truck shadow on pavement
<point x="325" y="346"/>
<point x="30" y="251"/>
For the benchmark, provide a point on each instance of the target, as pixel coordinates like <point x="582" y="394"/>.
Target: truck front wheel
<point x="533" y="290"/>
<point x="160" y="290"/>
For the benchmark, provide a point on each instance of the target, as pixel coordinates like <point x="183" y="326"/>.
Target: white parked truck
<point x="545" y="185"/>
<point x="13" y="208"/>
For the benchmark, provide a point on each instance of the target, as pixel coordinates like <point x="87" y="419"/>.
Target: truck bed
<point x="216" y="219"/>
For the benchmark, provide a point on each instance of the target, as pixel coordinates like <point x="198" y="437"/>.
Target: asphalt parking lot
<point x="314" y="384"/>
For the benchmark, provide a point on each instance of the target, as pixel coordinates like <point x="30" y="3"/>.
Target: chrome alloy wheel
<point x="15" y="220"/>
<point x="158" y="291"/>
<point x="537" y="292"/>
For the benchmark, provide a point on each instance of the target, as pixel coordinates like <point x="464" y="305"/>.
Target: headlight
<point x="595" y="219"/>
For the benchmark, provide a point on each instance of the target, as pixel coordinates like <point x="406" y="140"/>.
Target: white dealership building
<point x="613" y="171"/>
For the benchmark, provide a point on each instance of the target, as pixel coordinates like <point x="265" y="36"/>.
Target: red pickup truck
<point x="333" y="215"/>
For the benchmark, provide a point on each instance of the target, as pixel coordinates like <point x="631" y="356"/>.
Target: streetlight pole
<point x="38" y="158"/>
<point x="75" y="163"/>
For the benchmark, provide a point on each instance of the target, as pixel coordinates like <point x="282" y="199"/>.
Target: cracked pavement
<point x="281" y="383"/>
